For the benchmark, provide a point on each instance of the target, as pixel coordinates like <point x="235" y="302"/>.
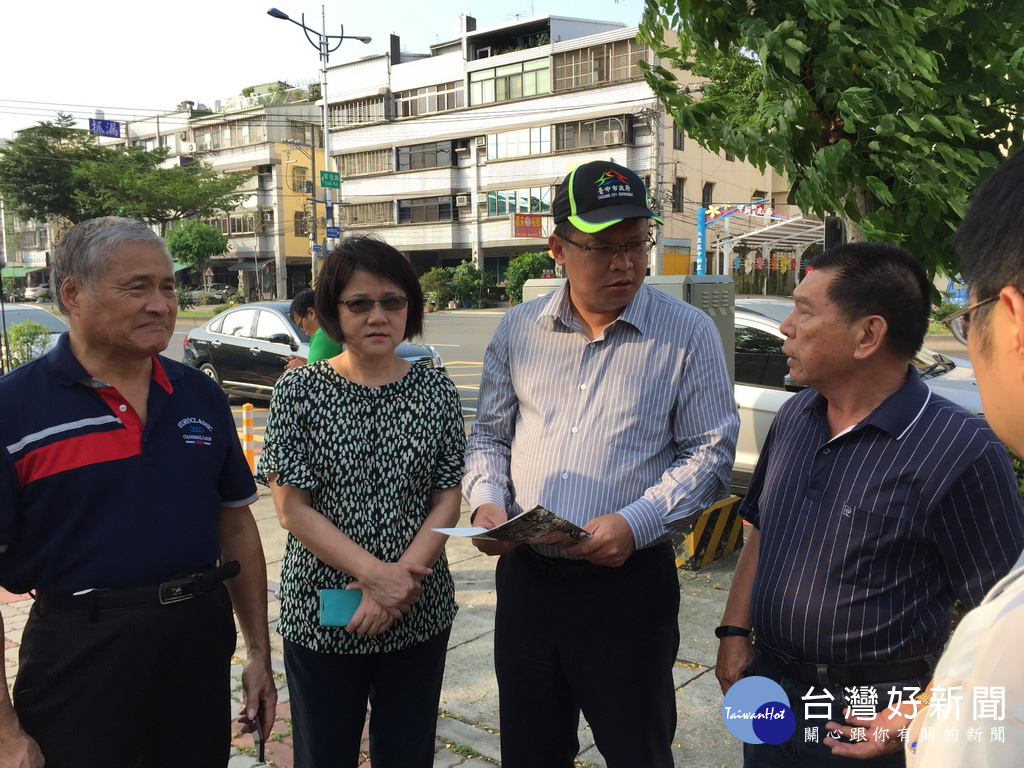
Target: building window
<point x="678" y="191"/>
<point x="591" y="133"/>
<point x="677" y="137"/>
<point x="606" y="63"/>
<point x="707" y="194"/>
<point x="368" y="214"/>
<point x="759" y="194"/>
<point x="426" y="209"/>
<point x="430" y="99"/>
<point x="300" y="224"/>
<point x="512" y="81"/>
<point x="436" y="154"/>
<point x="531" y="200"/>
<point x="730" y="157"/>
<point x="528" y="141"/>
<point x="362" y="163"/>
<point x="363" y="112"/>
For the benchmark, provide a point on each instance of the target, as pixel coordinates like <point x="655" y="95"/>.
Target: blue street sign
<point x="110" y="128"/>
<point x="334" y="232"/>
<point x="316" y="249"/>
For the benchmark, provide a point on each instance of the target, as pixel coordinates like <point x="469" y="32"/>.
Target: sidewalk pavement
<point x="468" y="726"/>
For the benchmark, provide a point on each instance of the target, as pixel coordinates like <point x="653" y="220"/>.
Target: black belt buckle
<point x="178" y="590"/>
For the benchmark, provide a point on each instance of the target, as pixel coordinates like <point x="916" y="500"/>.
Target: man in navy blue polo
<point x="124" y="505"/>
<point x="875" y="504"/>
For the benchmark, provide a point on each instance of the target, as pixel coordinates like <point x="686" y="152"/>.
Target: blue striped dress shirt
<point x="640" y="420"/>
<point x="867" y="537"/>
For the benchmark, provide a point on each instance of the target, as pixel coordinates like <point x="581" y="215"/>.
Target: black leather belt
<point x="174" y="590"/>
<point x="835" y="675"/>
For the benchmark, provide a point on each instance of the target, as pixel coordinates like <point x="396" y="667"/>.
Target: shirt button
<point x="574" y="430"/>
<point x="583" y="386"/>
<point x="122" y="408"/>
<point x="565" y="475"/>
<point x="826" y="451"/>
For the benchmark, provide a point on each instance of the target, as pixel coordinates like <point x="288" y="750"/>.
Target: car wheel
<point x="210" y="371"/>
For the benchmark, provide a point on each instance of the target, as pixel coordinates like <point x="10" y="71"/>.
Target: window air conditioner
<point x="481" y="141"/>
<point x="612" y="137"/>
<point x="461" y="201"/>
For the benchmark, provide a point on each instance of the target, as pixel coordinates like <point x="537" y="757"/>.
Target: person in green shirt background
<point x="304" y="317"/>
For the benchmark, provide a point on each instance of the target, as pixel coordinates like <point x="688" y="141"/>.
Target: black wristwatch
<point x="727" y="630"/>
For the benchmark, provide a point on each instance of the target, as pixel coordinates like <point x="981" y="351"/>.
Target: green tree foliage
<point x="56" y="170"/>
<point x="889" y="112"/>
<point x="437" y="284"/>
<point x="525" y="267"/>
<point x="28" y="340"/>
<point x="37" y="172"/>
<point x="471" y="283"/>
<point x="195" y="242"/>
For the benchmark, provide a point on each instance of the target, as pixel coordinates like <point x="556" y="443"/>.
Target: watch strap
<point x="727" y="630"/>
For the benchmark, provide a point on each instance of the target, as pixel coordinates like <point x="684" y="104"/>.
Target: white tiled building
<point x="437" y="151"/>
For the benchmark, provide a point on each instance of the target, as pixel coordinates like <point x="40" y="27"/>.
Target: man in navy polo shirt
<point x="875" y="503"/>
<point x="124" y="504"/>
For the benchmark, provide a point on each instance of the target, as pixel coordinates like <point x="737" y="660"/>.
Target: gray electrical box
<point x="715" y="295"/>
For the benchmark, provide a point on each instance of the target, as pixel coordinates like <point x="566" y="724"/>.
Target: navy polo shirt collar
<point x="896" y="414"/>
<point x="69" y="371"/>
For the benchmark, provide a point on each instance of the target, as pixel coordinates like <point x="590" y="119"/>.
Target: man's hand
<point x="260" y="695"/>
<point x="488" y="516"/>
<point x="20" y="751"/>
<point x="294" y="361"/>
<point x="610" y="543"/>
<point x="882" y="735"/>
<point x="735" y="654"/>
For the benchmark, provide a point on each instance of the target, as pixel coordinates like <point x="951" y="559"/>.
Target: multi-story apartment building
<point x="273" y="132"/>
<point x="439" y="152"/>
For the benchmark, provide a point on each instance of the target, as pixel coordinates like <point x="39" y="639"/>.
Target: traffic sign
<point x="316" y="248"/>
<point x="208" y="272"/>
<point x="334" y="232"/>
<point x="330" y="179"/>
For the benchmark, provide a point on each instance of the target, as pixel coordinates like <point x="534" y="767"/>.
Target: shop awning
<point x="19" y="271"/>
<point x="247" y="265"/>
<point x="178" y="266"/>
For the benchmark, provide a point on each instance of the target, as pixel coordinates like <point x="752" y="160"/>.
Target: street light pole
<point x="323" y="45"/>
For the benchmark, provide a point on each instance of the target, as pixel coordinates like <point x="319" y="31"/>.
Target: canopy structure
<point x="794" y="234"/>
<point x="19" y="271"/>
<point x="247" y="265"/>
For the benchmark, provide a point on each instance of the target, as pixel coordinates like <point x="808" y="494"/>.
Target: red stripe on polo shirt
<point x="75" y="452"/>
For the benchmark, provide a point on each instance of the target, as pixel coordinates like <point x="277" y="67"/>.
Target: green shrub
<point x="185" y="298"/>
<point x="471" y="283"/>
<point x="437" y="284"/>
<point x="28" y="340"/>
<point x="522" y="268"/>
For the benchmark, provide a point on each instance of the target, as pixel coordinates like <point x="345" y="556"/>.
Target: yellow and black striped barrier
<point x="712" y="534"/>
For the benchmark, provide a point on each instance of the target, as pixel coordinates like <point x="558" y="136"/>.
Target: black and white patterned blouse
<point x="370" y="458"/>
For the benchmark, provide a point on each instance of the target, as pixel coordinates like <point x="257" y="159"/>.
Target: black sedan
<point x="245" y="348"/>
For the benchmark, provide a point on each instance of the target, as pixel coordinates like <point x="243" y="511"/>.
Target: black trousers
<point x="129" y="688"/>
<point x="329" y="693"/>
<point x="604" y="644"/>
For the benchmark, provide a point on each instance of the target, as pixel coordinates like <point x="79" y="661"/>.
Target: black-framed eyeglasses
<point x="634" y="250"/>
<point x="959" y="323"/>
<point x="362" y="306"/>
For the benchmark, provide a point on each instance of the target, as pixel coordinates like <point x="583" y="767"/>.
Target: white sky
<point x="134" y="60"/>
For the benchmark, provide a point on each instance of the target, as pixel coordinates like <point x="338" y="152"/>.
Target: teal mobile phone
<point x="337" y="606"/>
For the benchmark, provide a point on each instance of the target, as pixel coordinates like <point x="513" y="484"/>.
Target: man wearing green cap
<point x="609" y="403"/>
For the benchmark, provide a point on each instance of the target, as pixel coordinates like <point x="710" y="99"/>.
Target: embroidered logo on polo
<point x="196" y="431"/>
<point x="611" y="184"/>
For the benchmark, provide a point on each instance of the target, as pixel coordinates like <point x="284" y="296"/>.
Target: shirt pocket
<point x="864" y="537"/>
<point x="636" y="412"/>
